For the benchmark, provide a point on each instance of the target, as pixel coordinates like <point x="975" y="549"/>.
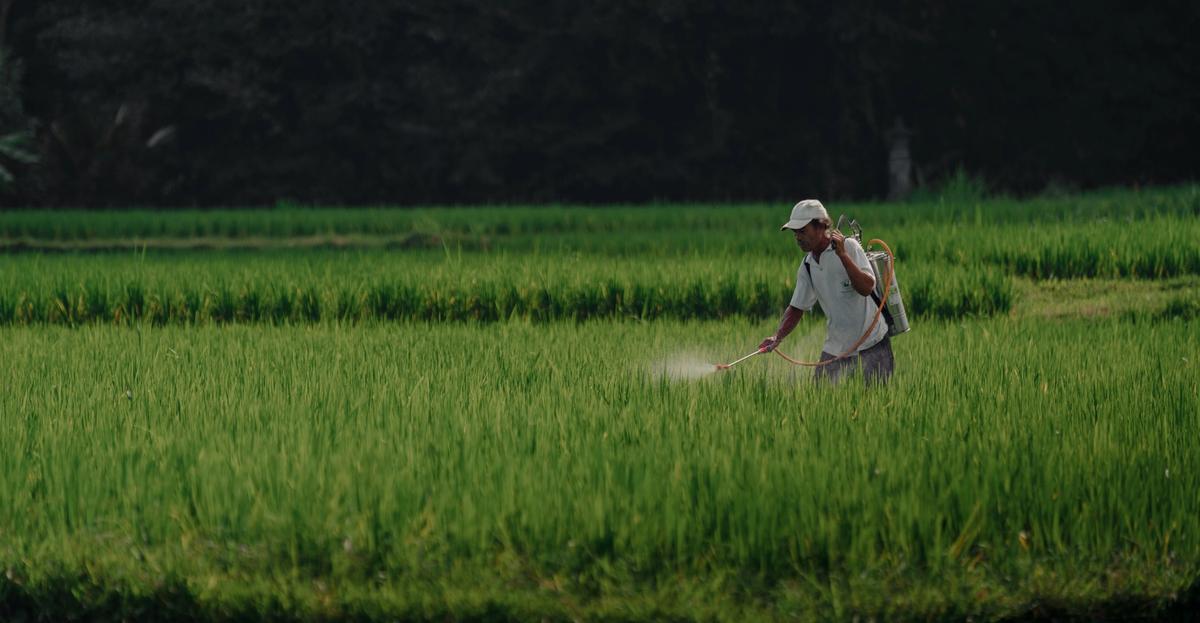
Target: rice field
<point x="533" y="430"/>
<point x="355" y="286"/>
<point x="298" y="221"/>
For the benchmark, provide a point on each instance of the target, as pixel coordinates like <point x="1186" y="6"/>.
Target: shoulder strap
<point x="887" y="315"/>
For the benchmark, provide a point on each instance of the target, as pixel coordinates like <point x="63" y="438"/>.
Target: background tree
<point x="174" y="102"/>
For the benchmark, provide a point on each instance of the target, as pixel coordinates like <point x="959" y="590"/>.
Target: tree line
<point x="242" y="102"/>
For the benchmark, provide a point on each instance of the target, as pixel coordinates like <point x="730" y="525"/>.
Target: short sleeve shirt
<point x="848" y="313"/>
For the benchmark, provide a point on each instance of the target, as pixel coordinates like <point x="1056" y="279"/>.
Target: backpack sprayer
<point x="886" y="296"/>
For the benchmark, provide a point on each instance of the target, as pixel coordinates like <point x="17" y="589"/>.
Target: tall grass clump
<point x="308" y="287"/>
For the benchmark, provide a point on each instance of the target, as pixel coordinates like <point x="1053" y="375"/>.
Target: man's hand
<point x="838" y="240"/>
<point x="769" y="344"/>
<point x="863" y="282"/>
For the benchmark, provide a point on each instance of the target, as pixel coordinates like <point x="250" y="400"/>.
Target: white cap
<point x="804" y="212"/>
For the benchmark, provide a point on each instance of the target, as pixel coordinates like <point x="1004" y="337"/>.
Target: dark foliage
<point x="253" y="101"/>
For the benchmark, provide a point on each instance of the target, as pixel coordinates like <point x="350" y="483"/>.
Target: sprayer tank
<point x="881" y="264"/>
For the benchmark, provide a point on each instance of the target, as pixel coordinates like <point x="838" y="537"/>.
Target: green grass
<point x="329" y="470"/>
<point x="311" y="286"/>
<point x="469" y="418"/>
<point x="1150" y="235"/>
<point x="288" y="220"/>
<point x="1131" y="299"/>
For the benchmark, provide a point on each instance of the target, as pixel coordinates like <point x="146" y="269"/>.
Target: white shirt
<point x="849" y="313"/>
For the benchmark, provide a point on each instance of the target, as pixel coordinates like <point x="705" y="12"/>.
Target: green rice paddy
<point x="460" y="430"/>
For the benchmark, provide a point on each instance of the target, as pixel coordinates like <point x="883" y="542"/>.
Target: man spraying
<point x="835" y="272"/>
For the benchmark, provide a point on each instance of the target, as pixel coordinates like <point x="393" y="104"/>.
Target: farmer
<point x="835" y="273"/>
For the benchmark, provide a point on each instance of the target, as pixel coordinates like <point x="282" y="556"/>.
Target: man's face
<point x="810" y="236"/>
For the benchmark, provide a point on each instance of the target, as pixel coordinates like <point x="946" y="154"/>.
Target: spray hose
<point x="887" y="283"/>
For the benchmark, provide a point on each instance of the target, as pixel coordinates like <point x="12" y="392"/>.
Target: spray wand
<point x="726" y="366"/>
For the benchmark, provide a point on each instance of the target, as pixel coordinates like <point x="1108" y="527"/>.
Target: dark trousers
<point x="877" y="364"/>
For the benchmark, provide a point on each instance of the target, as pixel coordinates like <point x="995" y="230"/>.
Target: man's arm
<point x="863" y="282"/>
<point x="791" y="317"/>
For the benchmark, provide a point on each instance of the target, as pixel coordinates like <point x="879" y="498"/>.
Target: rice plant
<point x="331" y="470"/>
<point x="351" y="287"/>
